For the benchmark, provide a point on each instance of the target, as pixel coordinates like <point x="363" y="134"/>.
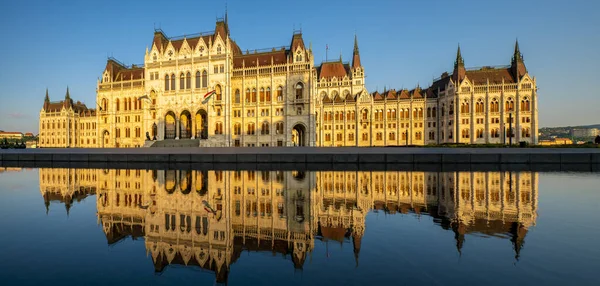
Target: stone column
<point x="177" y="126"/>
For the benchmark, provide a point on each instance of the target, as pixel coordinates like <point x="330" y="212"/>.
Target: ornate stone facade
<point x="204" y="87"/>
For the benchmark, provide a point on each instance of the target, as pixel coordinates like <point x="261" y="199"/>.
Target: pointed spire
<point x="459" y="59"/>
<point x="47" y="98"/>
<point x="517" y="56"/>
<point x="355" y="54"/>
<point x="67" y="96"/>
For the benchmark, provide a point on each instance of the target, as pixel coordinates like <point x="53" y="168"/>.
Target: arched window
<point x="479" y="133"/>
<point x="525" y="132"/>
<point x="451" y="108"/>
<point x="219" y="49"/>
<point x="494" y="107"/>
<point x="118" y="103"/>
<point x="265" y="128"/>
<point x="219" y="128"/>
<point x="181" y="81"/>
<point x="172" y="81"/>
<point x="365" y="114"/>
<point x="253" y="99"/>
<point x="198" y="79"/>
<point x="248" y="97"/>
<point x="433" y="112"/>
<point x="129" y="102"/>
<point x="204" y="79"/>
<point x="415" y="113"/>
<point x="509" y="105"/>
<point x="237" y="129"/>
<point x="464" y="107"/>
<point x="251" y="130"/>
<point x="237" y="96"/>
<point x="525" y="104"/>
<point x="167" y="82"/>
<point x="299" y="90"/>
<point x="279" y="128"/>
<point x="479" y="107"/>
<point x="428" y="112"/>
<point x="279" y="94"/>
<point x="268" y="95"/>
<point x="104" y="104"/>
<point x="420" y="112"/>
<point x="188" y="80"/>
<point x="465" y="133"/>
<point x="262" y="94"/>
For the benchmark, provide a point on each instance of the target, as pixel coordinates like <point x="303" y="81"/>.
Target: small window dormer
<point x="105" y="77"/>
<point x="219" y="49"/>
<point x="299" y="57"/>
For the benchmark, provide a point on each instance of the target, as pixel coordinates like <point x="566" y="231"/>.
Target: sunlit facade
<point x="206" y="218"/>
<point x="279" y="97"/>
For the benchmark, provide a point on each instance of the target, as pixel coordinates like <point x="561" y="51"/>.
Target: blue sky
<point x="54" y="44"/>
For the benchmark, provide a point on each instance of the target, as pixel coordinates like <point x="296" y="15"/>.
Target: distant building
<point x="11" y="135"/>
<point x="28" y="134"/>
<point x="585" y="132"/>
<point x="556" y="141"/>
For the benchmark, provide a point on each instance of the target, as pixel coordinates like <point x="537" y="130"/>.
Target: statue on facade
<point x="147" y="136"/>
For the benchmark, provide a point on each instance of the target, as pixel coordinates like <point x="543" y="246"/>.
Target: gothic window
<point x="247" y="95"/>
<point x="219" y="49"/>
<point x="204" y="79"/>
<point x="299" y="90"/>
<point x="465" y="133"/>
<point x="198" y="79"/>
<point x="262" y="94"/>
<point x="250" y="129"/>
<point x="494" y="106"/>
<point x="479" y="133"/>
<point x="118" y="102"/>
<point x="167" y="82"/>
<point x="219" y="128"/>
<point x="279" y="94"/>
<point x="509" y="105"/>
<point x="479" y="107"/>
<point x="279" y="128"/>
<point x="268" y="95"/>
<point x="181" y="81"/>
<point x="525" y="104"/>
<point x="365" y="114"/>
<point x="428" y="112"/>
<point x="265" y="128"/>
<point x="237" y="129"/>
<point x="253" y="99"/>
<point x="172" y="81"/>
<point x="237" y="96"/>
<point x="188" y="80"/>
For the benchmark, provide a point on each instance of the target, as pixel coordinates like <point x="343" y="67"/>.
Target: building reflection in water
<point x="207" y="218"/>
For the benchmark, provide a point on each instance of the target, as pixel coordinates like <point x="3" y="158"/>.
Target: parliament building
<point x="204" y="90"/>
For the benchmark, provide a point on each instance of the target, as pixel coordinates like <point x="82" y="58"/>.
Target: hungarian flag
<point x="208" y="95"/>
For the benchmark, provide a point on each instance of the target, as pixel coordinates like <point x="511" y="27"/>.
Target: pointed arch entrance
<point x="201" y="124"/>
<point x="185" y="125"/>
<point x="299" y="135"/>
<point x="170" y="125"/>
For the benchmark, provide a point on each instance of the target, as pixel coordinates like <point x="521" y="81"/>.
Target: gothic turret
<point x="46" y="100"/>
<point x="459" y="67"/>
<point x="355" y="54"/>
<point x="68" y="102"/>
<point x="517" y="65"/>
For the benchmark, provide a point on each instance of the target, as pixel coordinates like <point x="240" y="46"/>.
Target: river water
<point x="191" y="227"/>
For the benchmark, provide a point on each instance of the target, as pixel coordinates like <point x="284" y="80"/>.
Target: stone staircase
<point x="181" y="143"/>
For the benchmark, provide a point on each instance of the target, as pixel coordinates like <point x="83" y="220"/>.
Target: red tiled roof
<point x="262" y="59"/>
<point x="495" y="75"/>
<point x="333" y="69"/>
<point x="403" y="94"/>
<point x="297" y="41"/>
